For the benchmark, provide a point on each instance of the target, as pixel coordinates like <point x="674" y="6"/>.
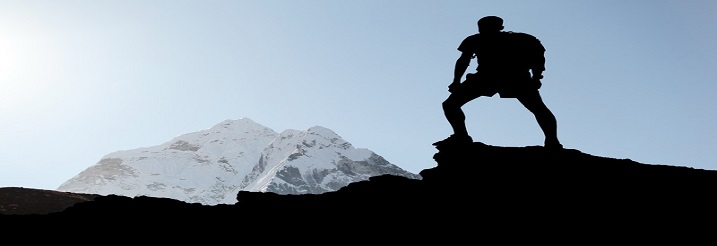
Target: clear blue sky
<point x="81" y="79"/>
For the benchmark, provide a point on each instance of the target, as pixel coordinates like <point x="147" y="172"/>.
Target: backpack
<point x="525" y="51"/>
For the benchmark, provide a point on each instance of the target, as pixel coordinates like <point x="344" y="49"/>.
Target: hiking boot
<point x="455" y="139"/>
<point x="553" y="145"/>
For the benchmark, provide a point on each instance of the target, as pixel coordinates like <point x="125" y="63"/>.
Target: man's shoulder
<point x="473" y="37"/>
<point x="521" y="35"/>
<point x="469" y="43"/>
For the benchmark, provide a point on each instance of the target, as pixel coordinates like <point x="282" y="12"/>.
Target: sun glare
<point x="29" y="65"/>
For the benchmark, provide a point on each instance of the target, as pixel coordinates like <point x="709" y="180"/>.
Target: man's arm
<point x="537" y="66"/>
<point x="537" y="70"/>
<point x="537" y="73"/>
<point x="461" y="65"/>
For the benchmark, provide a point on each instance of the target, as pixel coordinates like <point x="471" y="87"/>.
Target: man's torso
<point x="502" y="60"/>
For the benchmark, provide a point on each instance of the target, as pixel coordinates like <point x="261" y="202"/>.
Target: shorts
<point x="481" y="84"/>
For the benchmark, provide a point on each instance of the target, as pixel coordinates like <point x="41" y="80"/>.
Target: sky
<point x="81" y="79"/>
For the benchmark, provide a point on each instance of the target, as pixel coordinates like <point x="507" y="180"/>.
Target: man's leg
<point x="455" y="116"/>
<point x="546" y="119"/>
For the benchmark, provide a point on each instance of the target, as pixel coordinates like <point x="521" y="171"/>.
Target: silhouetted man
<point x="505" y="62"/>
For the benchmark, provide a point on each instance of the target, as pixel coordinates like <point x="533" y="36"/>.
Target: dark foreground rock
<point x="472" y="187"/>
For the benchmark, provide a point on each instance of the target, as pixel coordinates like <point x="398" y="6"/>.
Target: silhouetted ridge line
<point x="474" y="183"/>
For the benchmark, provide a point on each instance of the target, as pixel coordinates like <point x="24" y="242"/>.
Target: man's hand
<point x="536" y="83"/>
<point x="536" y="80"/>
<point x="454" y="86"/>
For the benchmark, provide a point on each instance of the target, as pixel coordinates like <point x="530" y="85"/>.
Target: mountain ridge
<point x="527" y="171"/>
<point x="475" y="190"/>
<point x="209" y="166"/>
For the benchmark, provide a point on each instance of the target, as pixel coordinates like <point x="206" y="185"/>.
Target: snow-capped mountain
<point x="211" y="166"/>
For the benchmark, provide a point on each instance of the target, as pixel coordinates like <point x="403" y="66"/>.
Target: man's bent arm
<point x="537" y="73"/>
<point x="461" y="65"/>
<point x="538" y="65"/>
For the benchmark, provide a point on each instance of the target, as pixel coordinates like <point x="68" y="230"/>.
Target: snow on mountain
<point x="211" y="166"/>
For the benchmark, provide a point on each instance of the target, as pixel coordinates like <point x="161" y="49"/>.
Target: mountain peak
<point x="321" y="129"/>
<point x="241" y="123"/>
<point x="328" y="134"/>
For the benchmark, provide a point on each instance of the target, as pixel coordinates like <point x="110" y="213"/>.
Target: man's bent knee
<point x="449" y="104"/>
<point x="454" y="102"/>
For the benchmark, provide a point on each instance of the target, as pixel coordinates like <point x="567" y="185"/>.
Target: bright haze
<point x="82" y="79"/>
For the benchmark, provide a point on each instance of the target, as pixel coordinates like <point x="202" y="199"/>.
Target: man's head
<point x="490" y="24"/>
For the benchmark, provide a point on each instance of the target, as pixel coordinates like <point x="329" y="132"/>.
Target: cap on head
<point x="490" y="23"/>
